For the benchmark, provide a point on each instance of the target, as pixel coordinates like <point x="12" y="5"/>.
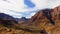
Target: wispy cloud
<point x="17" y="8"/>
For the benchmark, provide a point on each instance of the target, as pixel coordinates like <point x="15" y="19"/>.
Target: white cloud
<point x="11" y="13"/>
<point x="31" y="15"/>
<point x="40" y="4"/>
<point x="54" y="3"/>
<point x="16" y="5"/>
<point x="19" y="6"/>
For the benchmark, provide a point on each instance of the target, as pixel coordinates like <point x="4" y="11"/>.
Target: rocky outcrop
<point x="47" y="19"/>
<point x="41" y="16"/>
<point x="56" y="15"/>
<point x="46" y="15"/>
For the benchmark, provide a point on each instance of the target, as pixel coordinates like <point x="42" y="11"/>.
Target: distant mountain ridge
<point x="5" y="17"/>
<point x="22" y="20"/>
<point x="8" y="17"/>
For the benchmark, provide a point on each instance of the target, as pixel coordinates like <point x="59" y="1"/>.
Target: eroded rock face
<point x="47" y="19"/>
<point x="46" y="15"/>
<point x="56" y="15"/>
<point x="43" y="16"/>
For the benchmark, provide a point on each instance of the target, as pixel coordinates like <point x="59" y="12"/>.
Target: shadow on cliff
<point x="47" y="13"/>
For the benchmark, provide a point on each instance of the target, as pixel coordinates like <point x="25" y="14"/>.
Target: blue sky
<point x="29" y="3"/>
<point x="25" y="8"/>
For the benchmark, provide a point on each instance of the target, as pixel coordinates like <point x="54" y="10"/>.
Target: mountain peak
<point x="46" y="16"/>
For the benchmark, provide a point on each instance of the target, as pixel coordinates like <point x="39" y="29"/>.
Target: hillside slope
<point x="47" y="19"/>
